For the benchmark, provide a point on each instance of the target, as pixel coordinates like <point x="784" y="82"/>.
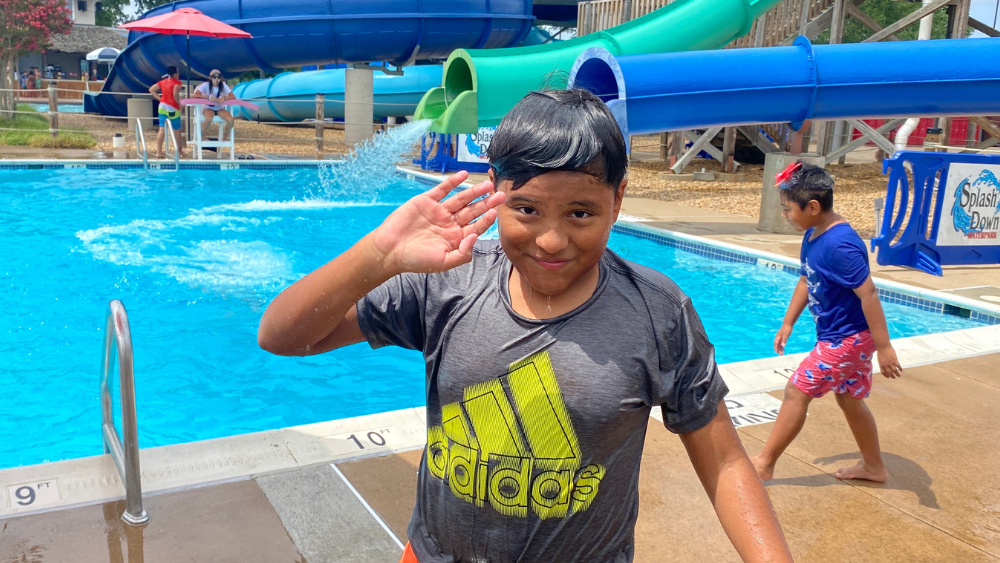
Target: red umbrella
<point x="186" y="21"/>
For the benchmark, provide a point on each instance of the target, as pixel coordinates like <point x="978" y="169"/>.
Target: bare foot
<point x="863" y="472"/>
<point x="160" y="156"/>
<point x="766" y="471"/>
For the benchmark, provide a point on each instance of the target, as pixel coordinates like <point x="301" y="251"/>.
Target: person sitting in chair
<point x="215" y="90"/>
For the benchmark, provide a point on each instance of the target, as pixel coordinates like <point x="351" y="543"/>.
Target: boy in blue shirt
<point x="837" y="286"/>
<point x="545" y="352"/>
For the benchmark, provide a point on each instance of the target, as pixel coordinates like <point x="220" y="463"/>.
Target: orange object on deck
<point x="408" y="556"/>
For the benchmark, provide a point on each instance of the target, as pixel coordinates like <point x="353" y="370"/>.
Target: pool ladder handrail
<point x="177" y="152"/>
<point x="140" y="136"/>
<point x="124" y="453"/>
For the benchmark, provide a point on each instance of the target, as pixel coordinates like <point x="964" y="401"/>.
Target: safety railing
<point x="177" y="148"/>
<point x="125" y="453"/>
<point x="140" y="137"/>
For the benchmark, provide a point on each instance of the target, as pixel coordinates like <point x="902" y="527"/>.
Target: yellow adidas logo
<point x="510" y="443"/>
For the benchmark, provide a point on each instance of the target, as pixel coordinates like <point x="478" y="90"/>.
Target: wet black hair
<point x="171" y="70"/>
<point x="551" y="130"/>
<point x="807" y="183"/>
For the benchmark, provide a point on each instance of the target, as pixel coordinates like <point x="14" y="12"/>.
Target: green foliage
<point x="32" y="130"/>
<point x="144" y="6"/>
<point x="113" y="13"/>
<point x="886" y="12"/>
<point x="116" y="12"/>
<point x="247" y="76"/>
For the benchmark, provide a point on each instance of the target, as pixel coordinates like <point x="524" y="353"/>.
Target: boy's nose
<point x="551" y="241"/>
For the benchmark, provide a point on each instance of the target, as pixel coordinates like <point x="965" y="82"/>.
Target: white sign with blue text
<point x="970" y="211"/>
<point x="472" y="148"/>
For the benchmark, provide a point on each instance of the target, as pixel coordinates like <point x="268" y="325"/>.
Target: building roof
<point x="85" y="38"/>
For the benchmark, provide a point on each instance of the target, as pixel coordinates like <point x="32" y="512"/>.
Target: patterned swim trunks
<point x="843" y="367"/>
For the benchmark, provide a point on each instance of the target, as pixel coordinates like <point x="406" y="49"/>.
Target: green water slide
<point x="480" y="85"/>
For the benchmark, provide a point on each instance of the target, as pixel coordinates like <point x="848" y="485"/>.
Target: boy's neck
<point x="824" y="221"/>
<point x="533" y="304"/>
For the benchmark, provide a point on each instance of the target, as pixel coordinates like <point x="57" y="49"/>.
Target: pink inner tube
<point x="204" y="101"/>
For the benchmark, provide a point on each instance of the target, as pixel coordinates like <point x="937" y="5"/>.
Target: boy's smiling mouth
<point x="550" y="264"/>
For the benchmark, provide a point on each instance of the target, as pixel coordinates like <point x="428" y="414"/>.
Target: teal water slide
<point x="479" y="86"/>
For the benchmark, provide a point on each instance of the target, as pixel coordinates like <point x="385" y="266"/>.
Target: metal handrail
<point x="124" y="453"/>
<point x="177" y="150"/>
<point x="141" y="136"/>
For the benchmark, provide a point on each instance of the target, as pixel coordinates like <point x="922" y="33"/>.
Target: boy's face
<point x="555" y="227"/>
<point x="801" y="218"/>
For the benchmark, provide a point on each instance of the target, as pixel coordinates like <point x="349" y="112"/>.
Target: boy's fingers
<point x="441" y="190"/>
<point x="482" y="225"/>
<point x="455" y="203"/>
<point x="462" y="254"/>
<point x="468" y="213"/>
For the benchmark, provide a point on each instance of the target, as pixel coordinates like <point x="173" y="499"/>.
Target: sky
<point x="983" y="10"/>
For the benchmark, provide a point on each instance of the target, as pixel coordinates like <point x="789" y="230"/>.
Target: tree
<point x="116" y="12"/>
<point x="27" y="27"/>
<point x="886" y="12"/>
<point x="112" y="13"/>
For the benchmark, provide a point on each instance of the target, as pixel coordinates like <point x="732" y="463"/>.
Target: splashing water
<point x="370" y="167"/>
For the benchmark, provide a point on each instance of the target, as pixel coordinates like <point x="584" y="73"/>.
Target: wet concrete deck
<point x="941" y="502"/>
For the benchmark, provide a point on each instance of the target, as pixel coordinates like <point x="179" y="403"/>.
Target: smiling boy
<point x="545" y="352"/>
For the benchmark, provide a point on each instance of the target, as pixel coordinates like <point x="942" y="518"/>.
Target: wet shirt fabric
<point x="835" y="264"/>
<point x="535" y="428"/>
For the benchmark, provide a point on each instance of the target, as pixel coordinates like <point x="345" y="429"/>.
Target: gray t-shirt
<point x="535" y="428"/>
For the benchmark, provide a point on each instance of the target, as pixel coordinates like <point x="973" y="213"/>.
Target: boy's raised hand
<point x="426" y="234"/>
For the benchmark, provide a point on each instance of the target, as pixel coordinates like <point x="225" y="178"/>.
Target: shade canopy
<point x="103" y="54"/>
<point x="185" y="21"/>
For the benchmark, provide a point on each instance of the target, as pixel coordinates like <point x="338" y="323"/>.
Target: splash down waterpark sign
<point x="472" y="148"/>
<point x="971" y="207"/>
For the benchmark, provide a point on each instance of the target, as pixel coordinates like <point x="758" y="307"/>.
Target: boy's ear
<point x="493" y="179"/>
<point x="813" y="207"/>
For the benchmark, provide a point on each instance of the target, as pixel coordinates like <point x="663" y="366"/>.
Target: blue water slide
<point x="292" y="33"/>
<point x="700" y="89"/>
<point x="291" y="96"/>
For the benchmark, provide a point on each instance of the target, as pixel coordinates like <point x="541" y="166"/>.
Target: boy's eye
<point x="526" y="210"/>
<point x="580" y="214"/>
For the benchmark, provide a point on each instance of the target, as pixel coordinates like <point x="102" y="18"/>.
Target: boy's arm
<point x="316" y="314"/>
<point x="736" y="492"/>
<point x="800" y="298"/>
<point x="887" y="361"/>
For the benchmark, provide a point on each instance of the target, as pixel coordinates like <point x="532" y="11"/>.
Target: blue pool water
<point x="62" y="108"/>
<point x="196" y="256"/>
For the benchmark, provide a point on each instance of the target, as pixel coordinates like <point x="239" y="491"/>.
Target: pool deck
<point x="309" y="494"/>
<point x="941" y="502"/>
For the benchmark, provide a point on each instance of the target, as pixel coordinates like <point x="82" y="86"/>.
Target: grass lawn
<point x="32" y="130"/>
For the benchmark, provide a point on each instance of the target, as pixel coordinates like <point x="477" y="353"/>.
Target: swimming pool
<point x="62" y="108"/>
<point x="197" y="255"/>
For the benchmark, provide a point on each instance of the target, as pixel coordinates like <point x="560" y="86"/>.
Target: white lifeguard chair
<point x="200" y="143"/>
